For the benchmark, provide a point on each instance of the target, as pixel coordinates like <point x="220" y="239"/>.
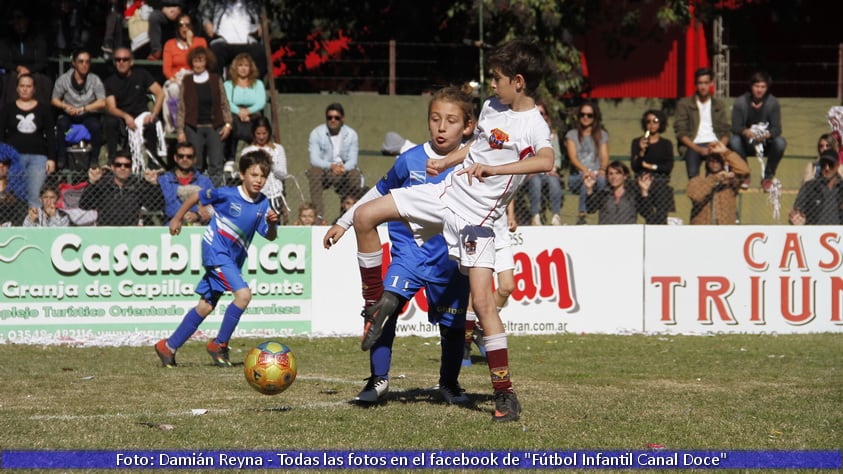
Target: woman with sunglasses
<point x="813" y="169"/>
<point x="587" y="145"/>
<point x="652" y="154"/>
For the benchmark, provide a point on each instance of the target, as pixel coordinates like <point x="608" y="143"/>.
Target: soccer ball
<point x="270" y="367"/>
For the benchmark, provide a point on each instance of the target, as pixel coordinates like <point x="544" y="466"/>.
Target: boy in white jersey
<point x="512" y="140"/>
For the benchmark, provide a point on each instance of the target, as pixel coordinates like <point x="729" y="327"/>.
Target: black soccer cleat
<point x="376" y="317"/>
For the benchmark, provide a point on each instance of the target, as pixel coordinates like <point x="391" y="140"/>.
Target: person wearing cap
<point x="714" y="196"/>
<point x="819" y="200"/>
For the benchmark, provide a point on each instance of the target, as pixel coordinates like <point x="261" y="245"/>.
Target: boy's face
<point x="253" y="180"/>
<point x="503" y="86"/>
<point x="447" y="125"/>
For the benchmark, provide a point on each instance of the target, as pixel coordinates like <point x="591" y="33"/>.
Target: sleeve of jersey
<point x="209" y="195"/>
<point x="395" y="177"/>
<point x="541" y="136"/>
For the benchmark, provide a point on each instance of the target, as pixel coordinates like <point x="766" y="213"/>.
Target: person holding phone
<point x="653" y="154"/>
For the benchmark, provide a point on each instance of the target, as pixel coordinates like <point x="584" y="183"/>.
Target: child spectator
<point x="48" y="215"/>
<point x="307" y="215"/>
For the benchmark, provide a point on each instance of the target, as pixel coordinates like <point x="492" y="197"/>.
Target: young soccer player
<point x="239" y="212"/>
<point x="413" y="267"/>
<point x="512" y="140"/>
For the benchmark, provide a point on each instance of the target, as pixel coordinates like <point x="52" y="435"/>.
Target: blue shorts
<point x="446" y="302"/>
<point x="218" y="280"/>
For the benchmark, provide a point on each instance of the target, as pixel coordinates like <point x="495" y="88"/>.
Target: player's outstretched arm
<point x="272" y="219"/>
<point x="333" y="235"/>
<point x="175" y="222"/>
<point x="438" y="165"/>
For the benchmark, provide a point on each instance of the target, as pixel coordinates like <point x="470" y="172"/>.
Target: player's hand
<point x="272" y="217"/>
<point x="333" y="235"/>
<point x="175" y="226"/>
<point x="434" y="166"/>
<point x="477" y="170"/>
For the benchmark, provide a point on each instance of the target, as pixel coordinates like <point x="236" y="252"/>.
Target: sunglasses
<point x="185" y="155"/>
<point x="184" y="23"/>
<point x="334" y="117"/>
<point x="121" y="60"/>
<point x="122" y="164"/>
<point x="586" y="115"/>
<point x="655" y="120"/>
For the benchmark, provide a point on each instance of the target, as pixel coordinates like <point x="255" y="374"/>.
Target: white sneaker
<point x="375" y="389"/>
<point x="556" y="220"/>
<point x="228" y="168"/>
<point x="453" y="395"/>
<point x="537" y="220"/>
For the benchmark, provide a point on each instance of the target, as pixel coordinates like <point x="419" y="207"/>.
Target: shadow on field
<point x="426" y="395"/>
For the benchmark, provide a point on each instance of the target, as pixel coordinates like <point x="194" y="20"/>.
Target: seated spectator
<point x="233" y="27"/>
<point x="622" y="199"/>
<point x="180" y="183"/>
<point x="333" y="148"/>
<point x="129" y="118"/>
<point x="820" y="200"/>
<point x="23" y="51"/>
<point x="813" y="169"/>
<point x="118" y="196"/>
<point x="47" y="215"/>
<point x="176" y="66"/>
<point x="714" y="196"/>
<point x="204" y="117"/>
<point x="551" y="179"/>
<point x="162" y="20"/>
<point x="653" y="154"/>
<point x="80" y="95"/>
<point x="274" y="187"/>
<point x="12" y="208"/>
<point x="749" y="114"/>
<point x="349" y="200"/>
<point x="308" y="215"/>
<point x="246" y="98"/>
<point x="700" y="119"/>
<point x="14" y="172"/>
<point x="587" y="145"/>
<point x="27" y="125"/>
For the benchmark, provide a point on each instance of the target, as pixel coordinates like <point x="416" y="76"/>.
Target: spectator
<point x="700" y="120"/>
<point x="308" y="215"/>
<point x="714" y="196"/>
<point x="71" y="26"/>
<point x="161" y="21"/>
<point x="176" y="65"/>
<point x="47" y="214"/>
<point x="751" y="110"/>
<point x="653" y="154"/>
<point x="551" y="179"/>
<point x="27" y="125"/>
<point x="120" y="197"/>
<point x="204" y="117"/>
<point x="587" y="145"/>
<point x="619" y="202"/>
<point x="349" y="200"/>
<point x="23" y="51"/>
<point x="181" y="182"/>
<point x="80" y="94"/>
<point x="333" y="150"/>
<point x="274" y="187"/>
<point x="813" y="169"/>
<point x="394" y="144"/>
<point x="820" y="200"/>
<point x="246" y="99"/>
<point x="114" y="34"/>
<point x="12" y="208"/>
<point x="129" y="117"/>
<point x="234" y="27"/>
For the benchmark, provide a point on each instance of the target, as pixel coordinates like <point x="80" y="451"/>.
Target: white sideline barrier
<point x="117" y="286"/>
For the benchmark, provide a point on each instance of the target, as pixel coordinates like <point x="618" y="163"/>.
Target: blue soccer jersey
<point x="430" y="262"/>
<point x="236" y="219"/>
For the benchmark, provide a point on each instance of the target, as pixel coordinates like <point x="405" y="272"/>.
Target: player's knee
<point x="243" y="297"/>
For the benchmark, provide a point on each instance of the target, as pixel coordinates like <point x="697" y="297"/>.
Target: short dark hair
<point x="522" y="57"/>
<point x="121" y="154"/>
<point x="760" y="76"/>
<point x="703" y="71"/>
<point x="336" y="106"/>
<point x="256" y="157"/>
<point x="185" y="145"/>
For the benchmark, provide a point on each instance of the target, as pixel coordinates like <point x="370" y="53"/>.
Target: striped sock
<point x="497" y="356"/>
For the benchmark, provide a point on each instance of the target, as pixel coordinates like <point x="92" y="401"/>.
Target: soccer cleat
<point x="168" y="357"/>
<point x="219" y="353"/>
<point x="375" y="389"/>
<point x="453" y="394"/>
<point x="507" y="407"/>
<point x="376" y="317"/>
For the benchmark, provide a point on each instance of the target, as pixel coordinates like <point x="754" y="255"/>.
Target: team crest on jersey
<point x="418" y="176"/>
<point x="497" y="138"/>
<point x="235" y="209"/>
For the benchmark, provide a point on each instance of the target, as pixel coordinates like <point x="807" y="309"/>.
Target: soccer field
<point x="735" y="392"/>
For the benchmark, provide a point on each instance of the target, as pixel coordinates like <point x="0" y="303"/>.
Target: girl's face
<point x="586" y="116"/>
<point x="823" y="145"/>
<point x="26" y="88"/>
<point x="307" y="216"/>
<point x="261" y="136"/>
<point x="615" y="177"/>
<point x="652" y="123"/>
<point x="200" y="63"/>
<point x="447" y="125"/>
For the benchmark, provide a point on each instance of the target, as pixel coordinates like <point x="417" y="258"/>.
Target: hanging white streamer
<point x="136" y="145"/>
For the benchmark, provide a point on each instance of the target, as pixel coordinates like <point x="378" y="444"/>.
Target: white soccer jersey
<point x="502" y="136"/>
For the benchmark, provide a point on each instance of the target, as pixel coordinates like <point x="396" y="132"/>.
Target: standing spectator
<point x="176" y="66"/>
<point x="23" y="51"/>
<point x="27" y="125"/>
<point x="233" y="27"/>
<point x="700" y="120"/>
<point x="333" y="150"/>
<point x="204" y="117"/>
<point x="47" y="214"/>
<point x="813" y="169"/>
<point x="714" y="196"/>
<point x="114" y="35"/>
<point x="820" y="200"/>
<point x="128" y="106"/>
<point x="180" y="183"/>
<point x="551" y="179"/>
<point x="71" y="25"/>
<point x="653" y="154"/>
<point x="588" y="151"/>
<point x="120" y="197"/>
<point x="755" y="107"/>
<point x="12" y="208"/>
<point x="246" y="98"/>
<point x="80" y="95"/>
<point x="621" y="201"/>
<point x="161" y="21"/>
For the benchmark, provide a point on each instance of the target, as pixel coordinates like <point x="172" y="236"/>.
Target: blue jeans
<point x="693" y="161"/>
<point x="36" y="174"/>
<point x="575" y="185"/>
<point x="773" y="150"/>
<point x="554" y="192"/>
